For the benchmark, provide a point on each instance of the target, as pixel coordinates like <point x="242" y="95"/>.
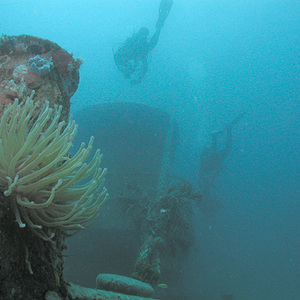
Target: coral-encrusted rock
<point x="124" y="285"/>
<point x="29" y="63"/>
<point x="29" y="265"/>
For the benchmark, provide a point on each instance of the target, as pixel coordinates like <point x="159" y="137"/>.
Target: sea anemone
<point x="43" y="186"/>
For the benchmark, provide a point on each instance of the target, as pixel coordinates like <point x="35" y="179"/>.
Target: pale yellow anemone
<point x="43" y="186"/>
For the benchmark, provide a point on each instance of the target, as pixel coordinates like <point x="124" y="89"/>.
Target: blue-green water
<point x="214" y="60"/>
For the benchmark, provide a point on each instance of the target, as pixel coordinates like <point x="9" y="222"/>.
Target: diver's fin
<point x="163" y="12"/>
<point x="236" y="120"/>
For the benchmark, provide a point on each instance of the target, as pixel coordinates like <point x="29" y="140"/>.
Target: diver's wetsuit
<point x="131" y="57"/>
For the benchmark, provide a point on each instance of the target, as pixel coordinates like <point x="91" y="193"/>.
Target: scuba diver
<point x="212" y="162"/>
<point x="131" y="57"/>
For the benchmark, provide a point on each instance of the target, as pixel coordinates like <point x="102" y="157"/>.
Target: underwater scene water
<point x="213" y="121"/>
